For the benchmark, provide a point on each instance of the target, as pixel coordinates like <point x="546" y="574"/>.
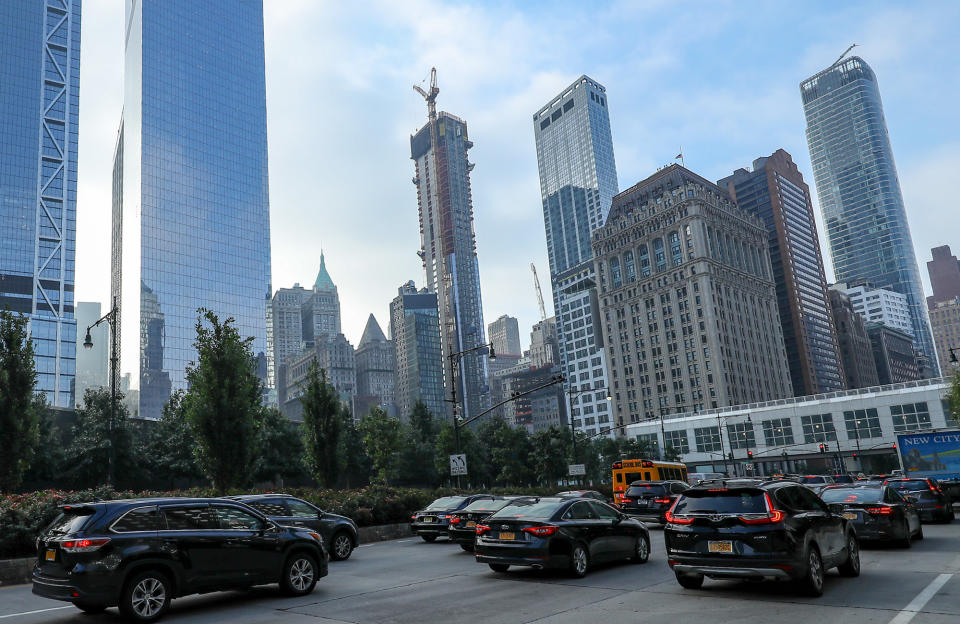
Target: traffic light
<point x="749" y="454"/>
<point x="730" y="455"/>
<point x="823" y="448"/>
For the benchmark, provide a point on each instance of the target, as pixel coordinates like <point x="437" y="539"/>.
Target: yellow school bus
<point x="626" y="471"/>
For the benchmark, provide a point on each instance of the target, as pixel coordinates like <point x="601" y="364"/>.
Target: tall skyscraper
<point x="544" y="347"/>
<point x="688" y="301"/>
<point x="776" y="193"/>
<point x="893" y="353"/>
<point x="284" y="334"/>
<point x="39" y="104"/>
<point x="578" y="179"/>
<point x="944" y="306"/>
<point x="859" y="367"/>
<point x="944" y="271"/>
<point x="321" y="310"/>
<point x="415" y="331"/>
<point x="858" y="187"/>
<point x="376" y="370"/>
<point x="504" y="333"/>
<point x="879" y="305"/>
<point x="191" y="210"/>
<point x="448" y="249"/>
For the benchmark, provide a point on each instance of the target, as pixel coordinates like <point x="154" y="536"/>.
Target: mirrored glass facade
<point x="191" y="211"/>
<point x="859" y="190"/>
<point x="39" y="108"/>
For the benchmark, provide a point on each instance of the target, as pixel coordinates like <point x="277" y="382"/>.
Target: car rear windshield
<point x="540" y="510"/>
<point x="648" y="489"/>
<point x="485" y="505"/>
<point x="851" y="495"/>
<point x="69" y="521"/>
<point x="812" y="480"/>
<point x="722" y="502"/>
<point x="445" y="503"/>
<point x="913" y="485"/>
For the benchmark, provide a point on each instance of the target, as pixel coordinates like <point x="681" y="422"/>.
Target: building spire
<point x="323" y="278"/>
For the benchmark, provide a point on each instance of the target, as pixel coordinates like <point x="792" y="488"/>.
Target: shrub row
<point x="23" y="516"/>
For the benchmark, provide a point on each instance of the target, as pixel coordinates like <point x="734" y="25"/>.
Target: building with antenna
<point x="448" y="248"/>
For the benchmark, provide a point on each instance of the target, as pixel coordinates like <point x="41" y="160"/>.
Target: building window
<point x="652" y="442"/>
<point x="778" y="432"/>
<point x="707" y="439"/>
<point x="644" y="261"/>
<point x="675" y="249"/>
<point x="910" y="417"/>
<point x="630" y="266"/>
<point x="818" y="428"/>
<point x="741" y="436"/>
<point x="660" y="255"/>
<point x="615" y="274"/>
<point x="678" y="440"/>
<point x="862" y="424"/>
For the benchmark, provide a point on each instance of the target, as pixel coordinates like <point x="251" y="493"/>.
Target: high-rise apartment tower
<point x="415" y="331"/>
<point x="504" y="334"/>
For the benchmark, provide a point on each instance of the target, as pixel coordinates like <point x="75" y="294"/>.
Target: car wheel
<point x="812" y="581"/>
<point x="299" y="575"/>
<point x="919" y="535"/>
<point x="341" y="546"/>
<point x="690" y="581"/>
<point x="641" y="550"/>
<point x="428" y="538"/>
<point x="579" y="561"/>
<point x="499" y="567"/>
<point x="145" y="597"/>
<point x="907" y="541"/>
<point x="851" y="567"/>
<point x="90" y="608"/>
<point x="467" y="547"/>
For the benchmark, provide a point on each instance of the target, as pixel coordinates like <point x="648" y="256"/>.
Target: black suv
<point x="434" y="520"/>
<point x="138" y="554"/>
<point x="755" y="530"/>
<point x="339" y="532"/>
<point x="650" y="500"/>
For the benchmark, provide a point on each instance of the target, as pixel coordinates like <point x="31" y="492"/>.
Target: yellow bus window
<point x="646" y="476"/>
<point x="619" y="477"/>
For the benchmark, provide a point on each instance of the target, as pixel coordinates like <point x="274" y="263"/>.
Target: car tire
<point x="812" y="582"/>
<point x="146" y="596"/>
<point x="300" y="574"/>
<point x="907" y="541"/>
<point x="641" y="550"/>
<point x="919" y="535"/>
<point x="690" y="581"/>
<point x="579" y="561"/>
<point x="428" y="538"/>
<point x="467" y="547"/>
<point x="90" y="608"/>
<point x="341" y="546"/>
<point x="499" y="567"/>
<point x="851" y="567"/>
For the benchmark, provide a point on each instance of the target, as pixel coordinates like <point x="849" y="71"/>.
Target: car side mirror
<point x="268" y="527"/>
<point x="836" y="508"/>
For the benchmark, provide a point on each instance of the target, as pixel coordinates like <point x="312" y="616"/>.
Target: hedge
<point x="23" y="516"/>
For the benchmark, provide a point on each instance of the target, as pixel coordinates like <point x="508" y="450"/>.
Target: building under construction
<point x="449" y="249"/>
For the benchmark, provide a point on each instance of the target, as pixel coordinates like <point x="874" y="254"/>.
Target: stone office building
<point x="687" y="300"/>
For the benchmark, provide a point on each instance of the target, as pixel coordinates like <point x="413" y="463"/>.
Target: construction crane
<point x="845" y="52"/>
<point x="536" y="284"/>
<point x="430" y="96"/>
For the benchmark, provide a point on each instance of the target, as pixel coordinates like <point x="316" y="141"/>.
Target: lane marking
<point x="911" y="610"/>
<point x="2" y="617"/>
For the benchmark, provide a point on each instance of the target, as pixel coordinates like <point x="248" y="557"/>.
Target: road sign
<point x="577" y="470"/>
<point x="458" y="465"/>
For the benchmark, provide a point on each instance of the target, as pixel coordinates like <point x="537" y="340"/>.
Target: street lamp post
<point x="111" y="318"/>
<point x="455" y="359"/>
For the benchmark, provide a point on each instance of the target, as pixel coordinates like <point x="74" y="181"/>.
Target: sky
<point x="718" y="80"/>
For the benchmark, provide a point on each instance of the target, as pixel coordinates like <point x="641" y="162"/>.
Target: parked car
<point x="877" y="512"/>
<point x="651" y="500"/>
<point x="595" y="495"/>
<point x="932" y="504"/>
<point x="758" y="530"/>
<point x="434" y="520"/>
<point x="463" y="523"/>
<point x="816" y="480"/>
<point x="339" y="532"/>
<point x="555" y="532"/>
<point x="843" y="478"/>
<point x="139" y="554"/>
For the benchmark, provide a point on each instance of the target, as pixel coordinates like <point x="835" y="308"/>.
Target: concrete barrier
<point x="383" y="532"/>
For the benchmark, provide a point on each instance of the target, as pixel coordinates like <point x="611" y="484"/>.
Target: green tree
<point x="322" y="422"/>
<point x="46" y="462"/>
<point x="172" y="445"/>
<point x="417" y="461"/>
<point x="478" y="456"/>
<point x="671" y="454"/>
<point x="550" y="449"/>
<point x="382" y="441"/>
<point x="18" y="414"/>
<point x="353" y="457"/>
<point x="281" y="449"/>
<point x="510" y="451"/>
<point x="88" y="456"/>
<point x="953" y="398"/>
<point x="223" y="402"/>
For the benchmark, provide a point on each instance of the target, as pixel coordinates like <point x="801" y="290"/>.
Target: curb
<point x="382" y="532"/>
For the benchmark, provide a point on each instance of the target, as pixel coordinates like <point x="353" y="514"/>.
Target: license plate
<point x="471" y="524"/>
<point x="850" y="515"/>
<point x="428" y="518"/>
<point x="508" y="536"/>
<point x="720" y="547"/>
<point x="50" y="555"/>
<point x="643" y="502"/>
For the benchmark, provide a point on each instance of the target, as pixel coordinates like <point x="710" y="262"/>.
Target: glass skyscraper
<point x="859" y="190"/>
<point x="191" y="213"/>
<point x="578" y="179"/>
<point x="39" y="108"/>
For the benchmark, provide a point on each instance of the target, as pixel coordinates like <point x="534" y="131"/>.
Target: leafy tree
<point x="281" y="449"/>
<point x="419" y="448"/>
<point x="353" y="457"/>
<point x="478" y="455"/>
<point x="48" y="455"/>
<point x="510" y="451"/>
<point x="18" y="414"/>
<point x="382" y="441"/>
<point x="671" y="454"/>
<point x="223" y="402"/>
<point x="550" y="449"/>
<point x="322" y="422"/>
<point x="953" y="398"/>
<point x="88" y="456"/>
<point x="172" y="445"/>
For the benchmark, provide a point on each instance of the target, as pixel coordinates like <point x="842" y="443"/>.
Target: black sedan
<point x="877" y="512"/>
<point x="651" y="500"/>
<point x="564" y="533"/>
<point x="339" y="532"/>
<point x="434" y="520"/>
<point x="932" y="504"/>
<point x="463" y="523"/>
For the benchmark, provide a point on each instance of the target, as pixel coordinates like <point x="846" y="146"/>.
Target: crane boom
<point x="845" y="52"/>
<point x="431" y="95"/>
<point x="536" y="284"/>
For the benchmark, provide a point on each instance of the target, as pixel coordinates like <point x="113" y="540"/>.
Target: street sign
<point x="577" y="470"/>
<point x="458" y="465"/>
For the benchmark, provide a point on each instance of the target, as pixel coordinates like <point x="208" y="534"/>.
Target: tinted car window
<point x="535" y="510"/>
<point x="269" y="507"/>
<point x="851" y="495"/>
<point x="236" y="519"/>
<point x="139" y="519"/>
<point x="190" y="518"/>
<point x="605" y="512"/>
<point x="646" y="490"/>
<point x="734" y="501"/>
<point x="580" y="511"/>
<point x="812" y="480"/>
<point x="912" y="486"/>
<point x="892" y="496"/>
<point x="486" y="505"/>
<point x="299" y="509"/>
<point x="678" y="488"/>
<point x="810" y="501"/>
<point x="68" y="522"/>
<point x="445" y="503"/>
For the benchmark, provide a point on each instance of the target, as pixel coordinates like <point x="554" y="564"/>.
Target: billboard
<point x="931" y="454"/>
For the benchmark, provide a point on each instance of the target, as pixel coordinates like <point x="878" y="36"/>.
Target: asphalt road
<point x="411" y="581"/>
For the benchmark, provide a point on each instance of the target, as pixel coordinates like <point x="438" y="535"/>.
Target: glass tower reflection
<point x="191" y="211"/>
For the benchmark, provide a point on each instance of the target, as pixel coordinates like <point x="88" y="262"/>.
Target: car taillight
<point x="772" y="516"/>
<point x="879" y="511"/>
<point x="84" y="545"/>
<point x="672" y="519"/>
<point x="541" y="531"/>
<point x="482" y="528"/>
<point x="454" y="519"/>
<point x="662" y="501"/>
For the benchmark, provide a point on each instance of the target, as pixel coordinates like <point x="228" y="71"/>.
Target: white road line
<point x="908" y="612"/>
<point x="3" y="617"/>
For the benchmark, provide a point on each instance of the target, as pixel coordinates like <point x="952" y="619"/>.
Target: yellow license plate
<point x="720" y="547"/>
<point x="508" y="536"/>
<point x="849" y="515"/>
<point x="50" y="555"/>
<point x="428" y="519"/>
<point x="471" y="524"/>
